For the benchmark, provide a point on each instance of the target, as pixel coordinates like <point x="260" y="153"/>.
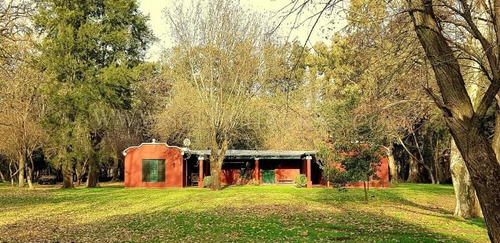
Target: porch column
<point x="308" y="161"/>
<point x="257" y="170"/>
<point x="200" y="174"/>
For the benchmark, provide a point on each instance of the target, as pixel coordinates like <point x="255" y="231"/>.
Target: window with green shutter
<point x="153" y="170"/>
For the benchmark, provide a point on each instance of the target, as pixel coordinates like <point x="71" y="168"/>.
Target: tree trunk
<point x="216" y="160"/>
<point x="484" y="171"/>
<point x="11" y="176"/>
<point x="467" y="205"/>
<point x="29" y="176"/>
<point x="2" y="177"/>
<point x="215" y="174"/>
<point x="366" y="191"/>
<point x="496" y="136"/>
<point x="414" y="173"/>
<point x="93" y="173"/>
<point x="67" y="175"/>
<point x="442" y="168"/>
<point x="431" y="174"/>
<point x="116" y="165"/>
<point x="22" y="165"/>
<point x="464" y="122"/>
<point x="393" y="169"/>
<point x="78" y="178"/>
<point x="436" y="172"/>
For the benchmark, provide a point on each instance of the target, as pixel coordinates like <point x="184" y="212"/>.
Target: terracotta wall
<point x="290" y="171"/>
<point x="229" y="176"/>
<point x="173" y="165"/>
<point x="382" y="173"/>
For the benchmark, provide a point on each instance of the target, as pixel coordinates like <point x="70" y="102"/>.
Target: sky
<point x="323" y="31"/>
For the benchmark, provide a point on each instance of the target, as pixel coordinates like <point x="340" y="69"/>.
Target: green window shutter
<point x="153" y="170"/>
<point x="146" y="170"/>
<point x="161" y="170"/>
<point x="153" y="176"/>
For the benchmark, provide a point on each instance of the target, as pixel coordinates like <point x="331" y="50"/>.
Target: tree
<point x="137" y="124"/>
<point x="21" y="101"/>
<point x="23" y="108"/>
<point x="376" y="53"/>
<point x="219" y="58"/>
<point x="465" y="122"/>
<point x="88" y="52"/>
<point x="442" y="28"/>
<point x="13" y="28"/>
<point x="353" y="153"/>
<point x="467" y="205"/>
<point x="359" y="162"/>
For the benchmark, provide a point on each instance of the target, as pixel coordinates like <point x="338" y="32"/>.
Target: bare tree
<point x="219" y="55"/>
<point x="22" y="108"/>
<point x="20" y="100"/>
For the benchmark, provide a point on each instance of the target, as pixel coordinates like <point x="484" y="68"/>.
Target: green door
<point x="154" y="171"/>
<point x="268" y="176"/>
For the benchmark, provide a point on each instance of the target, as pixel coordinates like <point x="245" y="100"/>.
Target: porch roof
<point x="260" y="154"/>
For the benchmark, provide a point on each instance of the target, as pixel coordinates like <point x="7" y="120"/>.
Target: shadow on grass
<point x="252" y="223"/>
<point x="443" y="213"/>
<point x="436" y="189"/>
<point x="396" y="199"/>
<point x="266" y="214"/>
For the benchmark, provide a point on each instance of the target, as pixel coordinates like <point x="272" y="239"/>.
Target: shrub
<point x="336" y="177"/>
<point x="207" y="181"/>
<point x="300" y="180"/>
<point x="254" y="182"/>
<point x="242" y="181"/>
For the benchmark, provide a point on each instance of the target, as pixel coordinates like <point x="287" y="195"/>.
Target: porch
<point x="267" y="167"/>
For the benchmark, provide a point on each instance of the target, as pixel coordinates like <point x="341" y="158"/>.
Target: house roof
<point x="239" y="154"/>
<point x="260" y="154"/>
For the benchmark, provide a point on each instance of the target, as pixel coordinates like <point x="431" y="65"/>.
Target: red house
<point x="160" y="165"/>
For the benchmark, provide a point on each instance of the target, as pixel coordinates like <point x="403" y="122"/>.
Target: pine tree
<point x="89" y="50"/>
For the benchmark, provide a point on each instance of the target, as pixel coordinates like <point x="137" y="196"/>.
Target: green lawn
<point x="408" y="213"/>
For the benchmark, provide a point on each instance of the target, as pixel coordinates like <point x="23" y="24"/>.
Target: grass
<point x="407" y="213"/>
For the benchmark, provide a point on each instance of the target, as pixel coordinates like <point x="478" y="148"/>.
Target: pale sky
<point x="323" y="31"/>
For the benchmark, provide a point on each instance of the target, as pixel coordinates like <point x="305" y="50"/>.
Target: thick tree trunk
<point x="414" y="172"/>
<point x="216" y="160"/>
<point x="215" y="174"/>
<point x="467" y="205"/>
<point x="93" y="173"/>
<point x="22" y="165"/>
<point x="393" y="169"/>
<point x="215" y="170"/>
<point x="484" y="171"/>
<point x="464" y="122"/>
<point x="67" y="173"/>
